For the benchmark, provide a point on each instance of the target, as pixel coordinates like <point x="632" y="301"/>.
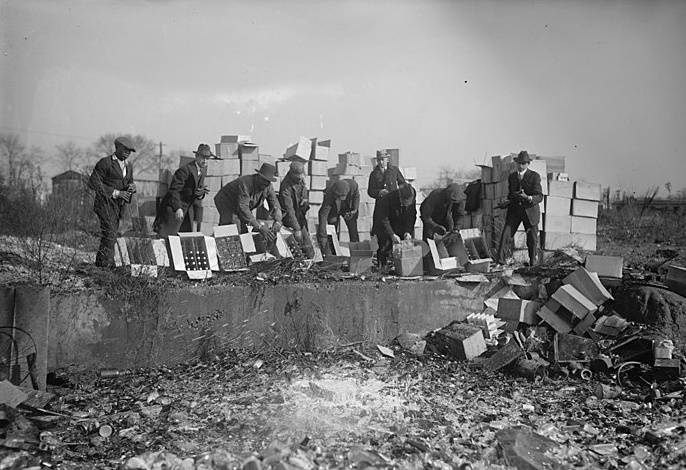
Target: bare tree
<point x="23" y="163"/>
<point x="145" y="160"/>
<point x="448" y="175"/>
<point x="71" y="156"/>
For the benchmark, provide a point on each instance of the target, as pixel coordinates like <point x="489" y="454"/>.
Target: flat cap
<point x="124" y="142"/>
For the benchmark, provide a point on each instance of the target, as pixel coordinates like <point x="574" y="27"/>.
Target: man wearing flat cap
<point x="112" y="181"/>
<point x="385" y="177"/>
<point x="341" y="199"/>
<point x="442" y="210"/>
<point x="523" y="197"/>
<point x="185" y="188"/>
<point x="236" y="201"/>
<point x="293" y="198"/>
<point x="394" y="218"/>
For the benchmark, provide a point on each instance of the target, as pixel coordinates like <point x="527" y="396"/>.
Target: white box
<point x="561" y="189"/>
<point x="557" y="205"/>
<point x="587" y="191"/>
<point x="584" y="208"/>
<point x="583" y="225"/>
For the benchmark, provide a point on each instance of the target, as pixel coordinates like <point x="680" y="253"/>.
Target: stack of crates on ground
<point x="569" y="208"/>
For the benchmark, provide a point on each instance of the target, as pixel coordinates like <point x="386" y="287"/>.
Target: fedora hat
<point x="523" y="157"/>
<point x="267" y="171"/>
<point x="203" y="151"/>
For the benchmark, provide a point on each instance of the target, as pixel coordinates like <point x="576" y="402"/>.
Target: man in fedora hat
<point x="394" y="218"/>
<point x="236" y="201"/>
<point x="441" y="211"/>
<point x="112" y="181"/>
<point x="185" y="188"/>
<point x="294" y="201"/>
<point x="385" y="177"/>
<point x="341" y="199"/>
<point x="523" y="197"/>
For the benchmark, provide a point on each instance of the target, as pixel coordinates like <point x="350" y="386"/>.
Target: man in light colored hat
<point x="394" y="218"/>
<point x="293" y="197"/>
<point x="523" y="197"/>
<point x="236" y="201"/>
<point x="112" y="181"/>
<point x="185" y="188"/>
<point x="385" y="177"/>
<point x="341" y="199"/>
<point x="441" y="211"/>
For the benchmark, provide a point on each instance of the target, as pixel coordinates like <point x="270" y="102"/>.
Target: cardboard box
<point x="587" y="191"/>
<point x="561" y="189"/>
<point x="461" y="341"/>
<point x="213" y="183"/>
<point x="394" y="157"/>
<point x="523" y="311"/>
<point x="585" y="225"/>
<point x="249" y="151"/>
<point x="317" y="168"/>
<point x="605" y="266"/>
<point x="540" y="167"/>
<point x="486" y="174"/>
<point x="226" y="150"/>
<point x="318" y="182"/>
<point x="316" y="197"/>
<point x="320" y="150"/>
<point x="234" y="139"/>
<point x="409" y="172"/>
<point x="676" y="279"/>
<point x="440" y="261"/>
<point x="557" y="223"/>
<point x="588" y="283"/>
<point x="299" y="151"/>
<point x="583" y="208"/>
<point x="574" y="301"/>
<point x="556" y="316"/>
<point x="555" y="205"/>
<point x="350" y="158"/>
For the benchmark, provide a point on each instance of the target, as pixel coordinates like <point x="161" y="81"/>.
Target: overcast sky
<point x="449" y="82"/>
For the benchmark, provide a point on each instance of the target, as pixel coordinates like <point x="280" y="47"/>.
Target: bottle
<point x="109" y="373"/>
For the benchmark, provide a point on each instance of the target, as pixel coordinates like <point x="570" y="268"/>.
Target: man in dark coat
<point x="394" y="218"/>
<point x="112" y="181"/>
<point x="293" y="198"/>
<point x="236" y="201"/>
<point x="384" y="177"/>
<point x="523" y="197"/>
<point x="185" y="188"/>
<point x="341" y="199"/>
<point x="441" y="210"/>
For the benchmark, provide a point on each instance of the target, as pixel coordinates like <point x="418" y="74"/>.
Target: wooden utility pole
<point x="159" y="162"/>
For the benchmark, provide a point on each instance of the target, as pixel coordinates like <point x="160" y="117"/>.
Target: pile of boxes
<point x="569" y="209"/>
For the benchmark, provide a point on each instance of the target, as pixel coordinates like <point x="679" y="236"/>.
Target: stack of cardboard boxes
<point x="569" y="208"/>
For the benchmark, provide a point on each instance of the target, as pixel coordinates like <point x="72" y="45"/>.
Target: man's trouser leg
<point x="109" y="224"/>
<point x="512" y="222"/>
<point x="383" y="254"/>
<point x="352" y="229"/>
<point x="307" y="246"/>
<point x="531" y="240"/>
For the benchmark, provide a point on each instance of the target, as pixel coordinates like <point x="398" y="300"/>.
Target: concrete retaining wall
<point x="95" y="331"/>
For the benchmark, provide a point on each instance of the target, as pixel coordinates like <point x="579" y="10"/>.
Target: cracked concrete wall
<point x="95" y="331"/>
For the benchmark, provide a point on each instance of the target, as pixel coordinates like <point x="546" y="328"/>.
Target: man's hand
<point x="125" y="195"/>
<point x="266" y="233"/>
<point x="383" y="192"/>
<point x="276" y="226"/>
<point x="179" y="214"/>
<point x="521" y="195"/>
<point x="349" y="215"/>
<point x="408" y="236"/>
<point x="440" y="230"/>
<point x="298" y="234"/>
<point x="202" y="191"/>
<point x="396" y="239"/>
<point x="131" y="188"/>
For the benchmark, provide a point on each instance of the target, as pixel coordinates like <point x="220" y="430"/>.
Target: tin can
<point x="105" y="430"/>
